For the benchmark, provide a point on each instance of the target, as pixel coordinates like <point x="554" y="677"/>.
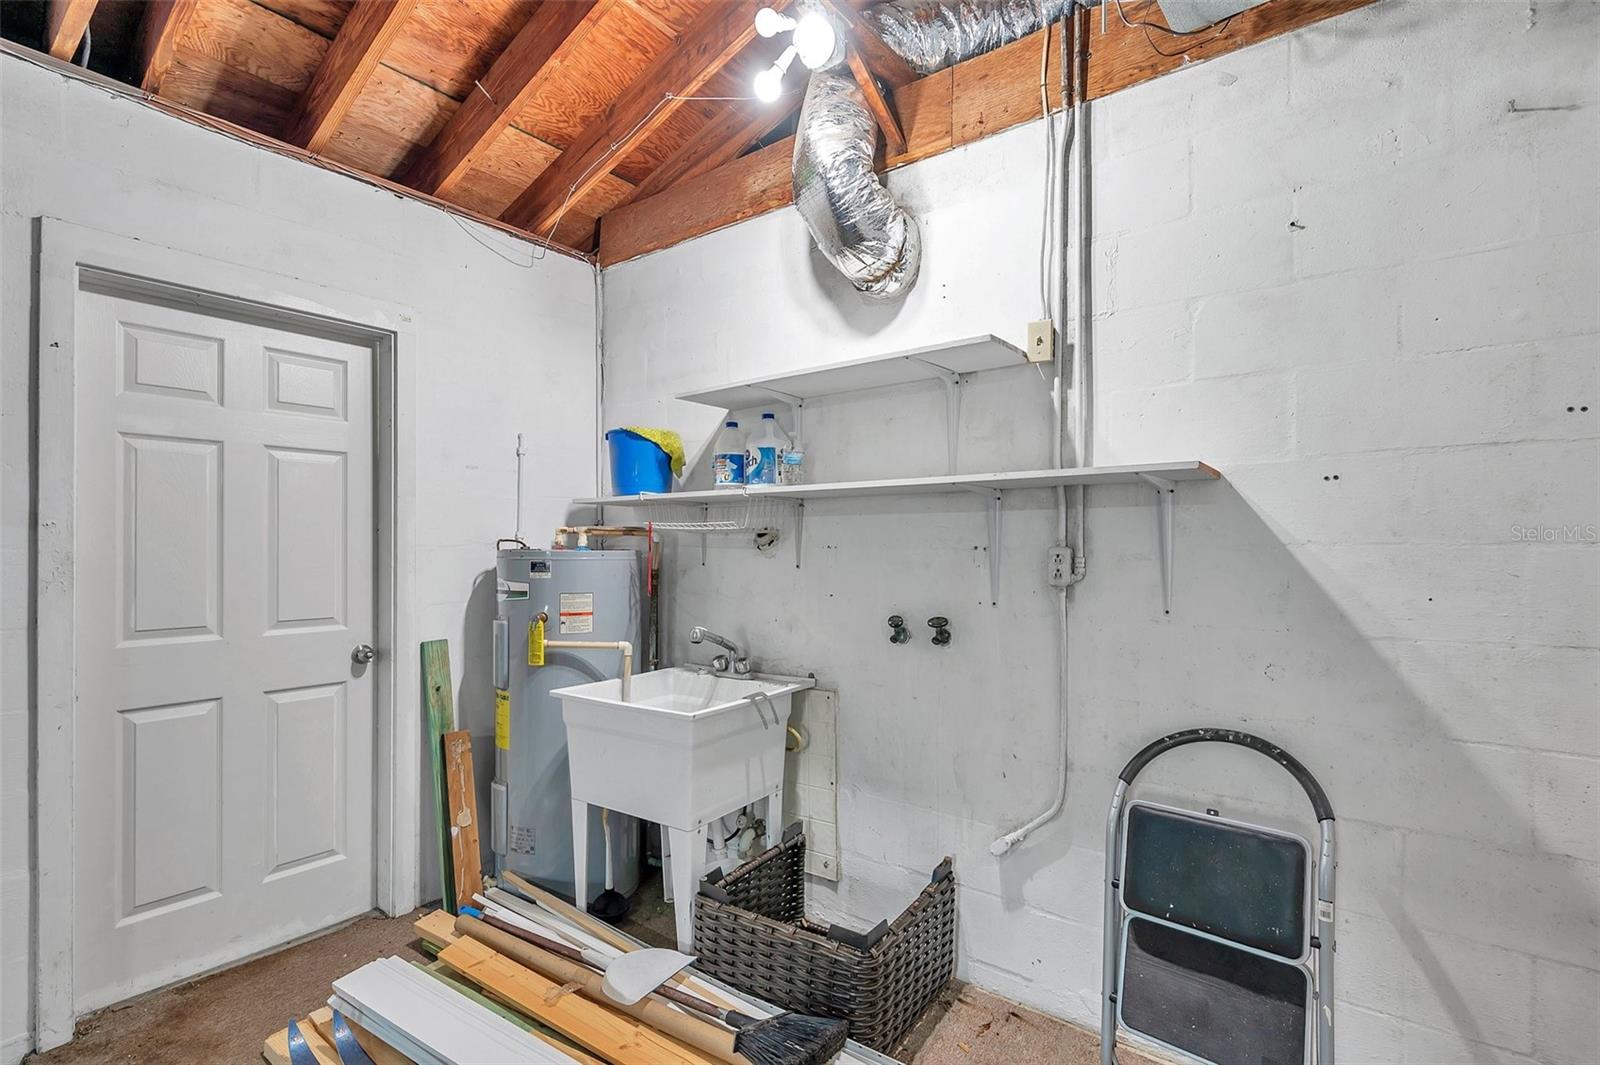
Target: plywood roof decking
<point x="570" y="106"/>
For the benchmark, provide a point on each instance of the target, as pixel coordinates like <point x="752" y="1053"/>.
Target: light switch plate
<point x="1041" y="341"/>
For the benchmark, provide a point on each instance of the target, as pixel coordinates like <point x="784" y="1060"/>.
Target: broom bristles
<point x="790" y="1039"/>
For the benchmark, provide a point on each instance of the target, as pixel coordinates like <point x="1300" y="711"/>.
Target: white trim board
<point x="438" y="1019"/>
<point x="67" y="254"/>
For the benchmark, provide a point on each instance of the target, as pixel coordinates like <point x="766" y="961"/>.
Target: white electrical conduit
<point x="1073" y="142"/>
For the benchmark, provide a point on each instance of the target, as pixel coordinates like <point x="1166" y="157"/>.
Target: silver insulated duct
<point x="932" y="34"/>
<point x="854" y="220"/>
<point x="856" y="223"/>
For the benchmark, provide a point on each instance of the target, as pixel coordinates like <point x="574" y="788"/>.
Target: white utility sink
<point x="685" y="748"/>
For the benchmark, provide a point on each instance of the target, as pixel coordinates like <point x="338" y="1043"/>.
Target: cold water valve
<point x="901" y="634"/>
<point x="941" y="630"/>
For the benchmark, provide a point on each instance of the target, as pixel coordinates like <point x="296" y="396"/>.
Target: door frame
<point x="68" y="254"/>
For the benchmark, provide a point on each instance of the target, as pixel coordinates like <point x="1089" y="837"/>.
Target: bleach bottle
<point x="727" y="458"/>
<point x="765" y="451"/>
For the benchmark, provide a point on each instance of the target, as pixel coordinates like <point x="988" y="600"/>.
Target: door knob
<point x="363" y="654"/>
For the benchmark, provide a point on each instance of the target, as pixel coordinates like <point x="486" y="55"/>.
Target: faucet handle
<point x="901" y="634"/>
<point x="941" y="631"/>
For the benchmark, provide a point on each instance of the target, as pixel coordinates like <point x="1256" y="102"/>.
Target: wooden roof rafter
<point x="163" y="22"/>
<point x="513" y="78"/>
<point x="65" y="21"/>
<point x="721" y="140"/>
<point x="718" y="34"/>
<point x="368" y="30"/>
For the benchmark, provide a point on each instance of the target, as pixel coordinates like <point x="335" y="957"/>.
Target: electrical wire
<point x="1047" y="222"/>
<point x="1217" y="31"/>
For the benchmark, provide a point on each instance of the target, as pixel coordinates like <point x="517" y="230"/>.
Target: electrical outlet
<point x="1058" y="566"/>
<point x="1041" y="341"/>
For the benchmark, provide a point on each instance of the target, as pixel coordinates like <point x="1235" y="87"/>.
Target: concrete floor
<point x="222" y="1019"/>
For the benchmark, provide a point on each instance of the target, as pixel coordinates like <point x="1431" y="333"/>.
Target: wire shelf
<point x="737" y="515"/>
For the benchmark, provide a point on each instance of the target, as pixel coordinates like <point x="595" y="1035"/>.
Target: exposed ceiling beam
<point x="163" y="24"/>
<point x="715" y="37"/>
<point x="65" y="22"/>
<point x="553" y="31"/>
<point x="882" y="110"/>
<point x="368" y="30"/>
<point x="882" y="60"/>
<point x="718" y="141"/>
<point x="956" y="106"/>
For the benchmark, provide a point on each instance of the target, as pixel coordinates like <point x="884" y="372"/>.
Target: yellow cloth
<point x="667" y="441"/>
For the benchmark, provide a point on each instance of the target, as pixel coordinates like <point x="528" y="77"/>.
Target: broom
<point x="784" y="1039"/>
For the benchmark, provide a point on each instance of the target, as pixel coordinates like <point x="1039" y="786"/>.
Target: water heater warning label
<point x="577" y="612"/>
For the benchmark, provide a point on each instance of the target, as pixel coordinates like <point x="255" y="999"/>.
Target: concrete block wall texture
<point x="505" y="346"/>
<point x="1341" y="268"/>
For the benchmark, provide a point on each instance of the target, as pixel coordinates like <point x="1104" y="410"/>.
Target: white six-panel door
<point x="222" y="777"/>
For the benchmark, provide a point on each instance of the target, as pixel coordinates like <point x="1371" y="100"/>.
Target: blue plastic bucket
<point x="637" y="465"/>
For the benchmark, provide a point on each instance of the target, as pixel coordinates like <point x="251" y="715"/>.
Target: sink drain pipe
<point x="1069" y="519"/>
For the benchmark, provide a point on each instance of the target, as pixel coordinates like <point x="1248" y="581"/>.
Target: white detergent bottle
<point x="727" y="458"/>
<point x="764" y="451"/>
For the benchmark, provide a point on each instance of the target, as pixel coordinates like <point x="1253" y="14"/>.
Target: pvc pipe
<point x="601" y="645"/>
<point x="1016" y="836"/>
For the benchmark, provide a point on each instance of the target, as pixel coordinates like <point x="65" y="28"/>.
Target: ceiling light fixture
<point x="815" y="39"/>
<point x="770" y="23"/>
<point x="815" y="42"/>
<point x="769" y="82"/>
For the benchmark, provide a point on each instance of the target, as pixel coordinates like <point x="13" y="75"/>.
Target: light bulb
<point x="814" y="39"/>
<point x="770" y="23"/>
<point x="769" y="84"/>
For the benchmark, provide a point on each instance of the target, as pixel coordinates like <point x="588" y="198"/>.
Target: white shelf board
<point x="932" y="363"/>
<point x="960" y="482"/>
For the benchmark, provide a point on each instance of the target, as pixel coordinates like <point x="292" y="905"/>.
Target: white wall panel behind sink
<point x="171" y="557"/>
<point x="171" y="820"/>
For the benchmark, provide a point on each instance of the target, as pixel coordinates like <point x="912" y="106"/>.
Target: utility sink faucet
<point x="734" y="661"/>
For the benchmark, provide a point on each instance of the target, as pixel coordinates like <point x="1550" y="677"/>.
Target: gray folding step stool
<point x="1213" y="947"/>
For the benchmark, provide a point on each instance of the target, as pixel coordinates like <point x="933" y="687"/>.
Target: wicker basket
<point x="750" y="930"/>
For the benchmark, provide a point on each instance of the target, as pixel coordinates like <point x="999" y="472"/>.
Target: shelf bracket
<point x="797" y="406"/>
<point x="705" y="516"/>
<point x="952" y="406"/>
<point x="799" y="530"/>
<point x="1165" y="490"/>
<point x="993" y="506"/>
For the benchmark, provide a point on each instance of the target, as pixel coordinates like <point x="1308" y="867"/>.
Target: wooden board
<point x="531" y="57"/>
<point x="749" y="186"/>
<point x="439" y="706"/>
<point x="363" y="40"/>
<point x="65" y="21"/>
<point x="461" y="790"/>
<point x="164" y="22"/>
<point x="380" y="1052"/>
<point x="276" y="1048"/>
<point x="643" y="107"/>
<point x="612" y="1035"/>
<point x="441" y="972"/>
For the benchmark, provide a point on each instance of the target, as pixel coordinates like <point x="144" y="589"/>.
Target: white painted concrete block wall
<point x="504" y="348"/>
<point x="1339" y="268"/>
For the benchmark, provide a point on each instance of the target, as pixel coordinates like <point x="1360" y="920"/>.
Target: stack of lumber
<point x="476" y="1004"/>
